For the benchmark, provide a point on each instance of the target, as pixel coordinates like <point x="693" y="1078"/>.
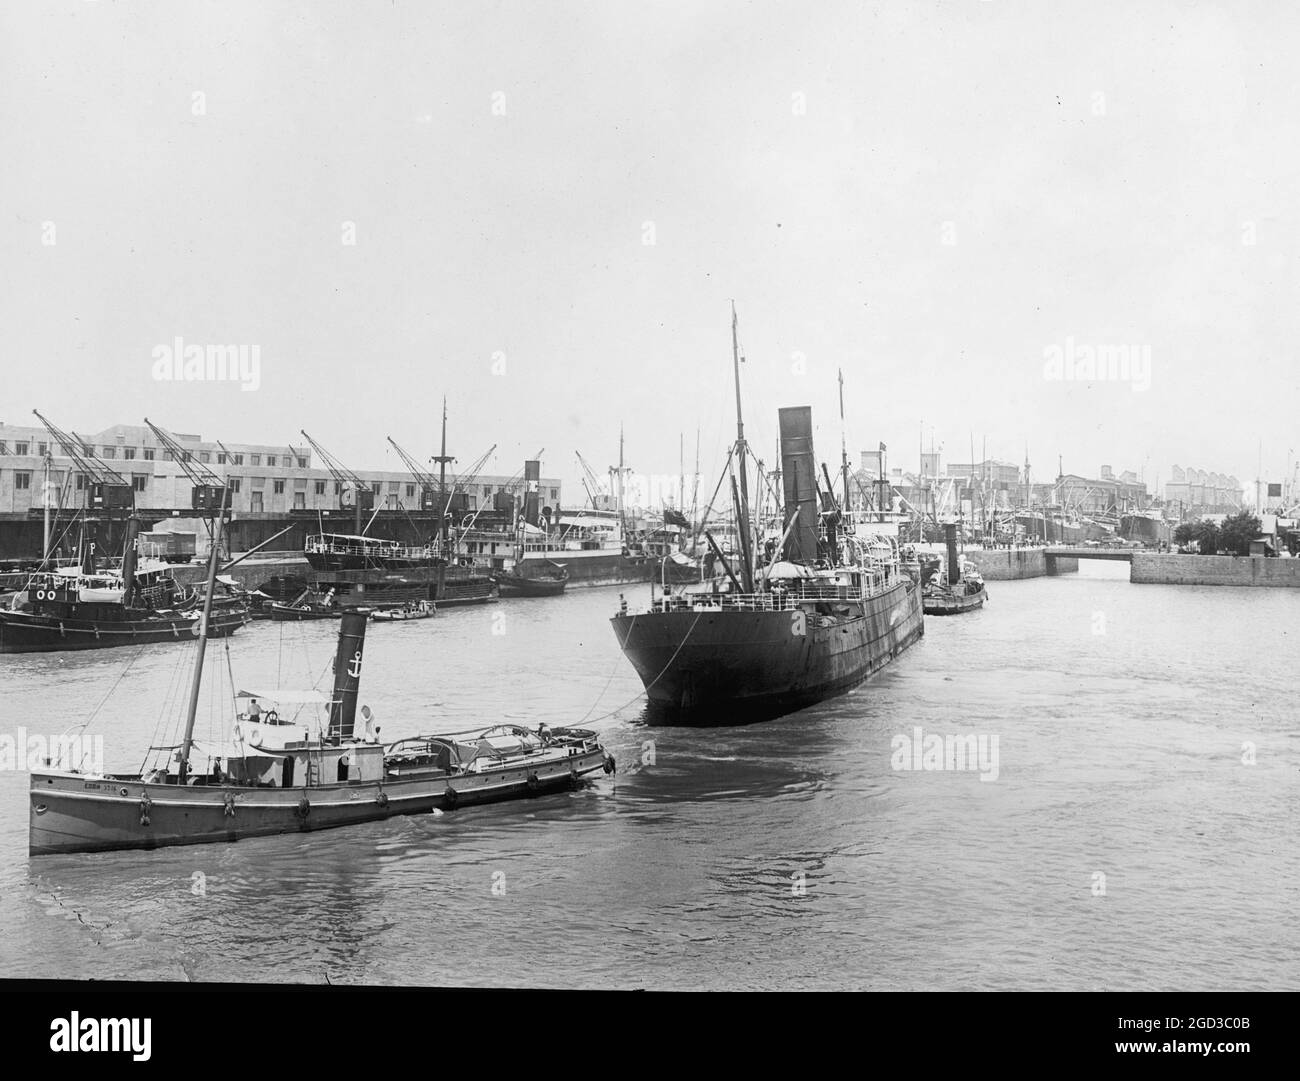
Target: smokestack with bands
<point x="347" y="672"/>
<point x="799" y="480"/>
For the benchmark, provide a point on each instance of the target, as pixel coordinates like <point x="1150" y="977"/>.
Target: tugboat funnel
<point x="950" y="536"/>
<point x="347" y="672"/>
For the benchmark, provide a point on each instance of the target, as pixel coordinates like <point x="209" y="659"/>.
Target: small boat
<point x="960" y="590"/>
<point x="418" y="610"/>
<point x="297" y="774"/>
<point x="286" y="590"/>
<point x="292" y="613"/>
<point x="543" y="579"/>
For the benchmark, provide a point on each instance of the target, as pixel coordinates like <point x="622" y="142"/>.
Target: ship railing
<point x="779" y="598"/>
<point x="384" y="549"/>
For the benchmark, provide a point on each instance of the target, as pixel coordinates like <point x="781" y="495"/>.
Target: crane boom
<point x="107" y="489"/>
<point x="209" y="492"/>
<point x="471" y="474"/>
<point x="354" y="493"/>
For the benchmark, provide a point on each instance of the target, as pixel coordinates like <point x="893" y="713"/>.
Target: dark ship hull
<point x="27" y="632"/>
<point x="547" y="581"/>
<point x="290" y="613"/>
<point x="698" y="665"/>
<point x="1149" y="530"/>
<point x="440" y="585"/>
<point x="592" y="567"/>
<point x="464" y="585"/>
<point x="945" y="602"/>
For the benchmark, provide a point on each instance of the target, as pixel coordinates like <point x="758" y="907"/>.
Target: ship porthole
<point x="122" y="792"/>
<point x="40" y="808"/>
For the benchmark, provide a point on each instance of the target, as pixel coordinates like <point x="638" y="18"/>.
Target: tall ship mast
<point x="829" y="608"/>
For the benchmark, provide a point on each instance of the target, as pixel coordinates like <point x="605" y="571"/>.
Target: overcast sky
<point x="553" y="205"/>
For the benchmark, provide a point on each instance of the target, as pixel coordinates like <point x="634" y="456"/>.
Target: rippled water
<point x="783" y="855"/>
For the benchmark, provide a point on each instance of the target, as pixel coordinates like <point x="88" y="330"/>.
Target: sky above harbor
<point x="1066" y="229"/>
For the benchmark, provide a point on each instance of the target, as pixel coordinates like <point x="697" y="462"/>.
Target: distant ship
<point x="593" y="547"/>
<point x="1149" y="527"/>
<point x="84" y="606"/>
<point x="537" y="580"/>
<point x="360" y="571"/>
<point x="832" y="610"/>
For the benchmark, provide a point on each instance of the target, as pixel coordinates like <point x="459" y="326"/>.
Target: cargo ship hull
<point x="590" y="568"/>
<point x="441" y="585"/>
<point x="696" y="663"/>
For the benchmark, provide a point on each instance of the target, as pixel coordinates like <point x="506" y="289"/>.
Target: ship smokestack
<point x="799" y="480"/>
<point x="347" y="672"/>
<point x="950" y="536"/>
<point x="532" y="481"/>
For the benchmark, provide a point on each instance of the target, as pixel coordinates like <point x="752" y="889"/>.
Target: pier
<point x="1013" y="564"/>
<point x="1181" y="569"/>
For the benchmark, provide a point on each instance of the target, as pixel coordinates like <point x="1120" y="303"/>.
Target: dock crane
<point x="429" y="485"/>
<point x="590" y="482"/>
<point x="354" y="493"/>
<point x="461" y="482"/>
<point x="209" y="493"/>
<point x="108" y="492"/>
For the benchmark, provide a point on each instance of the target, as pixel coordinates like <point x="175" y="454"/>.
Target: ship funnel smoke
<point x="799" y="481"/>
<point x="347" y="673"/>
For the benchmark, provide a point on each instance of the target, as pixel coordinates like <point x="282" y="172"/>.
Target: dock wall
<point x="1010" y="564"/>
<point x="1196" y="570"/>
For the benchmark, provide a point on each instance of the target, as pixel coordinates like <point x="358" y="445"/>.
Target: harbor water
<point x="1129" y="823"/>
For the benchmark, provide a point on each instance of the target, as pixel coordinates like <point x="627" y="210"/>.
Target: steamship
<point x="281" y="775"/>
<point x="361" y="571"/>
<point x="590" y="546"/>
<point x="834" y="608"/>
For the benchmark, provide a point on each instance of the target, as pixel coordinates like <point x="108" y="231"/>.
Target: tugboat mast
<point x="183" y="764"/>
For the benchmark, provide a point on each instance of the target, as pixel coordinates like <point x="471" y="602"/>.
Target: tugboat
<point x="960" y="590"/>
<point x="281" y="776"/>
<point x="831" y="611"/>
